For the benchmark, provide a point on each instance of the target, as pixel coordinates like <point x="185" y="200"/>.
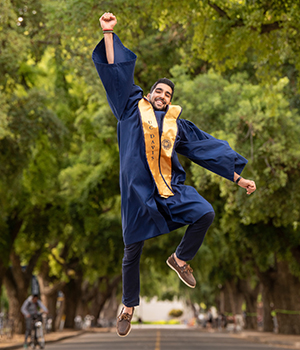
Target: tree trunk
<point x="221" y="302"/>
<point x="250" y="295"/>
<point x="2" y="274"/>
<point x="17" y="282"/>
<point x="110" y="309"/>
<point x="49" y="291"/>
<point x="267" y="299"/>
<point x="226" y="300"/>
<point x="50" y="301"/>
<point x="281" y="293"/>
<point x="82" y="308"/>
<point x="236" y="298"/>
<point x="88" y="293"/>
<point x="106" y="287"/>
<point x="14" y="225"/>
<point x="72" y="293"/>
<point x="49" y="298"/>
<point x="15" y="301"/>
<point x="286" y="300"/>
<point x="251" y="311"/>
<point x="60" y="312"/>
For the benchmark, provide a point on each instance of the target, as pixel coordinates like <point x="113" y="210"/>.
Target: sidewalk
<point x="278" y="340"/>
<point x="269" y="338"/>
<point x="18" y="339"/>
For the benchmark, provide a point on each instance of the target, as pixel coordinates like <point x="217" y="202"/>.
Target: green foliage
<point x="59" y="163"/>
<point x="175" y="313"/>
<point x="258" y="123"/>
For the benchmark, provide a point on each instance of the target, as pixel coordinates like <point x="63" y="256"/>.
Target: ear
<point x="148" y="96"/>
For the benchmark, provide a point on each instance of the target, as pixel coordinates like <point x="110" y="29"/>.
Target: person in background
<point x="31" y="307"/>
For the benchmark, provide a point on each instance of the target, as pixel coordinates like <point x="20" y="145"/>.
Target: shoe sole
<point x="125" y="335"/>
<point x="173" y="268"/>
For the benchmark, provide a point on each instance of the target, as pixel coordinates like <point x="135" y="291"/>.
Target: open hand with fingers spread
<point x="108" y="21"/>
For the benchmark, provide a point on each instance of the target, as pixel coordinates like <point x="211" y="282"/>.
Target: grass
<point x="173" y="321"/>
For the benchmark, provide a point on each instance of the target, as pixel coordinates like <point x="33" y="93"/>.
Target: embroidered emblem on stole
<point x="159" y="150"/>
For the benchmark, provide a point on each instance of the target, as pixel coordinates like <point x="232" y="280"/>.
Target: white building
<point x="155" y="310"/>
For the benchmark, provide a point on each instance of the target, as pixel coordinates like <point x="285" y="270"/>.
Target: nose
<point x="162" y="95"/>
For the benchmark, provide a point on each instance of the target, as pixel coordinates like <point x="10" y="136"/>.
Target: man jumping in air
<point x="155" y="199"/>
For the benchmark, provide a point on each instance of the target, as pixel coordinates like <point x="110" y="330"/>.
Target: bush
<point x="175" y="313"/>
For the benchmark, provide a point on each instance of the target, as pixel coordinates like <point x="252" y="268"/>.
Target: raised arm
<point x="107" y="22"/>
<point x="115" y="66"/>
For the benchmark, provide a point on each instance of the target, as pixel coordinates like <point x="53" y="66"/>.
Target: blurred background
<point x="236" y="65"/>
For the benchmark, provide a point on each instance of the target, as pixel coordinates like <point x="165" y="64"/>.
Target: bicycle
<point x="37" y="332"/>
<point x="6" y="326"/>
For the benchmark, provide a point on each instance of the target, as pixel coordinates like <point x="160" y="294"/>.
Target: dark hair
<point x="35" y="296"/>
<point x="163" y="81"/>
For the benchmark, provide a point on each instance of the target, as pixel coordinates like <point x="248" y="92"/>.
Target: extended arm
<point x="212" y="154"/>
<point x="42" y="306"/>
<point x="107" y="22"/>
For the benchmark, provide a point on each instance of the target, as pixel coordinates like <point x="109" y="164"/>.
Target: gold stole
<point x="159" y="151"/>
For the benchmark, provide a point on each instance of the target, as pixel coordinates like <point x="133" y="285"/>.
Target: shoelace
<point x="125" y="316"/>
<point x="187" y="268"/>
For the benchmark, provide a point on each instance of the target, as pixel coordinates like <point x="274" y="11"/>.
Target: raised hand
<point x="108" y="21"/>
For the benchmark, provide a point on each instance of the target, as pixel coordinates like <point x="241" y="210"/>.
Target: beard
<point x="163" y="107"/>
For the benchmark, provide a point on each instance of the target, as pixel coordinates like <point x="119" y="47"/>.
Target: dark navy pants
<point x="187" y="249"/>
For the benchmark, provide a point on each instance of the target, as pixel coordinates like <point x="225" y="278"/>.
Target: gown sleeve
<point x="208" y="152"/>
<point x="117" y="78"/>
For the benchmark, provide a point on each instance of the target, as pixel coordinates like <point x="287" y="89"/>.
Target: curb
<point x="63" y="337"/>
<point x="261" y="340"/>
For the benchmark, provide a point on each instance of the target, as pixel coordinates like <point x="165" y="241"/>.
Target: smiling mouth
<point x="159" y="102"/>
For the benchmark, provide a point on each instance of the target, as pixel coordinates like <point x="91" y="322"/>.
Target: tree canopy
<point x="235" y="64"/>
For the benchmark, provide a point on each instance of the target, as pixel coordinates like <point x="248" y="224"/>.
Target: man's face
<point x="35" y="300"/>
<point x="160" y="97"/>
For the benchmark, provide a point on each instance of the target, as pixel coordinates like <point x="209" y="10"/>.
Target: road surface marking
<point x="157" y="344"/>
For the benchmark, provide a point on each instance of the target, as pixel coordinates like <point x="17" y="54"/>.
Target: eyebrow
<point x="160" y="89"/>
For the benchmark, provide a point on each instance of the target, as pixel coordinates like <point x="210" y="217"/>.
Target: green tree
<point x="260" y="36"/>
<point x="59" y="157"/>
<point x="258" y="123"/>
<point x="29" y="131"/>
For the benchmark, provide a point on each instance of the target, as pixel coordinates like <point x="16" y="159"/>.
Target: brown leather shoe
<point x="124" y="323"/>
<point x="184" y="272"/>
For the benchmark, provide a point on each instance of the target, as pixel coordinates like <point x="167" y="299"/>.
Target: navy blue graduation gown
<point x="144" y="213"/>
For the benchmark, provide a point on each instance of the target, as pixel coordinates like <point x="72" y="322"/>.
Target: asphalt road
<point x="158" y="339"/>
